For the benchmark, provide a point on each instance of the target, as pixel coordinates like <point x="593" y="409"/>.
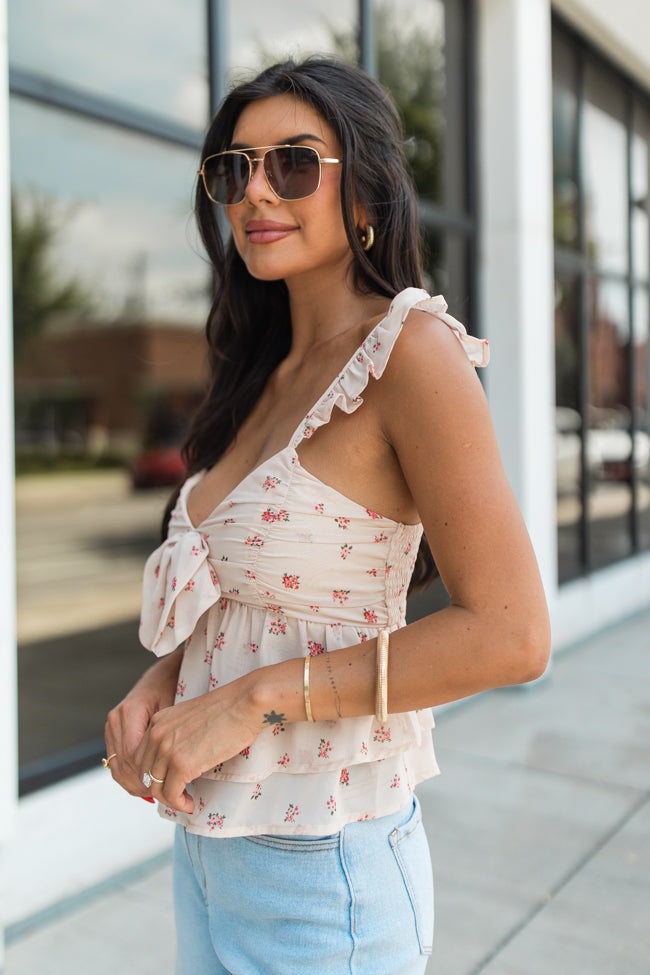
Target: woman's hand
<point x="127" y="723"/>
<point x="192" y="737"/>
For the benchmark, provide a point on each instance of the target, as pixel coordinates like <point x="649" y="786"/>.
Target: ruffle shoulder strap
<point x="372" y="357"/>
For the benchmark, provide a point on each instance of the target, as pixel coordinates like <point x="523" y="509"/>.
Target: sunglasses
<point x="292" y="172"/>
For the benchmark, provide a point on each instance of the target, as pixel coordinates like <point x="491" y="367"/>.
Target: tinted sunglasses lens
<point x="293" y="172"/>
<point x="226" y="177"/>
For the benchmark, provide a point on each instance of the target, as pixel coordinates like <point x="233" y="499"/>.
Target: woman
<point x="344" y="414"/>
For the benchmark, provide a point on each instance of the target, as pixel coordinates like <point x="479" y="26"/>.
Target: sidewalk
<point x="539" y="829"/>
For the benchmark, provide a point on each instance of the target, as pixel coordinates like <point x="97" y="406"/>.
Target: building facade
<point x="528" y="127"/>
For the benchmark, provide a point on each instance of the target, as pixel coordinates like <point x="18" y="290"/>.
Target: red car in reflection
<point x="158" y="467"/>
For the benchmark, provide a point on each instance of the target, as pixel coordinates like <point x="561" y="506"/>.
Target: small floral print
<point x="161" y="603"/>
<point x="273" y="516"/>
<point x="344" y="778"/>
<point x="364" y="748"/>
<point x="188" y="641"/>
<point x="170" y="812"/>
<point x="201" y="804"/>
<point x="359" y="356"/>
<point x="408" y="548"/>
<point x="315" y="648"/>
<point x="257" y="791"/>
<point x="250" y="575"/>
<point x="387" y="569"/>
<point x="371" y="572"/>
<point x="156" y="571"/>
<point x="171" y="623"/>
<point x="370" y="616"/>
<point x="345" y="551"/>
<point x="315" y="609"/>
<point x="246" y="752"/>
<point x="308" y="431"/>
<point x="381" y="734"/>
<point x="270" y="483"/>
<point x="324" y="748"/>
<point x="292" y="813"/>
<point x="174" y="584"/>
<point x="180" y="688"/>
<point x="216" y="820"/>
<point x="277" y="627"/>
<point x="382" y="537"/>
<point x="224" y="558"/>
<point x="217" y="768"/>
<point x="223" y="604"/>
<point x="208" y="656"/>
<point x="343" y="523"/>
<point x="340" y="595"/>
<point x="213" y="682"/>
<point x="395" y="781"/>
<point x="376" y="345"/>
<point x="253" y="647"/>
<point x="320" y="507"/>
<point x="290" y="582"/>
<point x="363" y="818"/>
<point x="277" y="728"/>
<point x="331" y="805"/>
<point x="229" y="521"/>
<point x="374" y="515"/>
<point x="195" y="550"/>
<point x="255" y="541"/>
<point x="214" y="577"/>
<point x="220" y="640"/>
<point x="284" y="760"/>
<point x="363" y="637"/>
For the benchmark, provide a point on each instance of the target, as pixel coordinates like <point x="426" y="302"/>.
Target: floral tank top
<point x="286" y="566"/>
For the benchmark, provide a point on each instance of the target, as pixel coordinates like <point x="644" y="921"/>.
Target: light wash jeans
<point x="359" y="902"/>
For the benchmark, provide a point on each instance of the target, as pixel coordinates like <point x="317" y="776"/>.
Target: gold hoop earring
<point x="367" y="238"/>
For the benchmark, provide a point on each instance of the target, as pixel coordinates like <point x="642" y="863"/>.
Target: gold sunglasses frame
<point x="260" y="159"/>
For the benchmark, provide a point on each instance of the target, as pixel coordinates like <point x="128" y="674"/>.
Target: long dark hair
<point x="249" y="324"/>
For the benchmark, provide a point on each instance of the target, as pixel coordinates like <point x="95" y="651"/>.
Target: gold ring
<point x="148" y="778"/>
<point x="106" y="762"/>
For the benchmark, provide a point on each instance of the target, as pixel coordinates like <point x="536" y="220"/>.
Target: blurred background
<point x="528" y="132"/>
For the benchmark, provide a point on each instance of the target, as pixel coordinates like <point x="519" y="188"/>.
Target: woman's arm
<point x="434" y="415"/>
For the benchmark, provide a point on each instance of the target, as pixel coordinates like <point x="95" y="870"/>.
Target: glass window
<point x="261" y="35"/>
<point x="609" y="440"/>
<point x="568" y="426"/>
<point x="641" y="312"/>
<point x="639" y="182"/>
<point x="605" y="191"/>
<point x="151" y="54"/>
<point x="110" y="296"/>
<point x="565" y="144"/>
<point x="411" y="63"/>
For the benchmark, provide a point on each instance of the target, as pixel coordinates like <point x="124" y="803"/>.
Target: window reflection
<point x="568" y="427"/>
<point x="605" y="174"/>
<point x="641" y="311"/>
<point x="639" y="167"/>
<point x="565" y="115"/>
<point x="150" y="53"/>
<point x="445" y="260"/>
<point x="110" y="296"/>
<point x="261" y="35"/>
<point x="411" y="64"/>
<point x="609" y="440"/>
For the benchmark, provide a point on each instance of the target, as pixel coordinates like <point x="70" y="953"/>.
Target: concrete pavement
<point x="539" y="829"/>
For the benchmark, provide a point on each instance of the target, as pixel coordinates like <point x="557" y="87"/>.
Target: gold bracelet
<point x="305" y="686"/>
<point x="381" y="700"/>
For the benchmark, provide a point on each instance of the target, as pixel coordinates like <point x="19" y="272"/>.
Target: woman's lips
<point x="267" y="231"/>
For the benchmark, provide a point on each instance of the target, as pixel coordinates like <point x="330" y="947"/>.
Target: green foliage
<point x="39" y="291"/>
